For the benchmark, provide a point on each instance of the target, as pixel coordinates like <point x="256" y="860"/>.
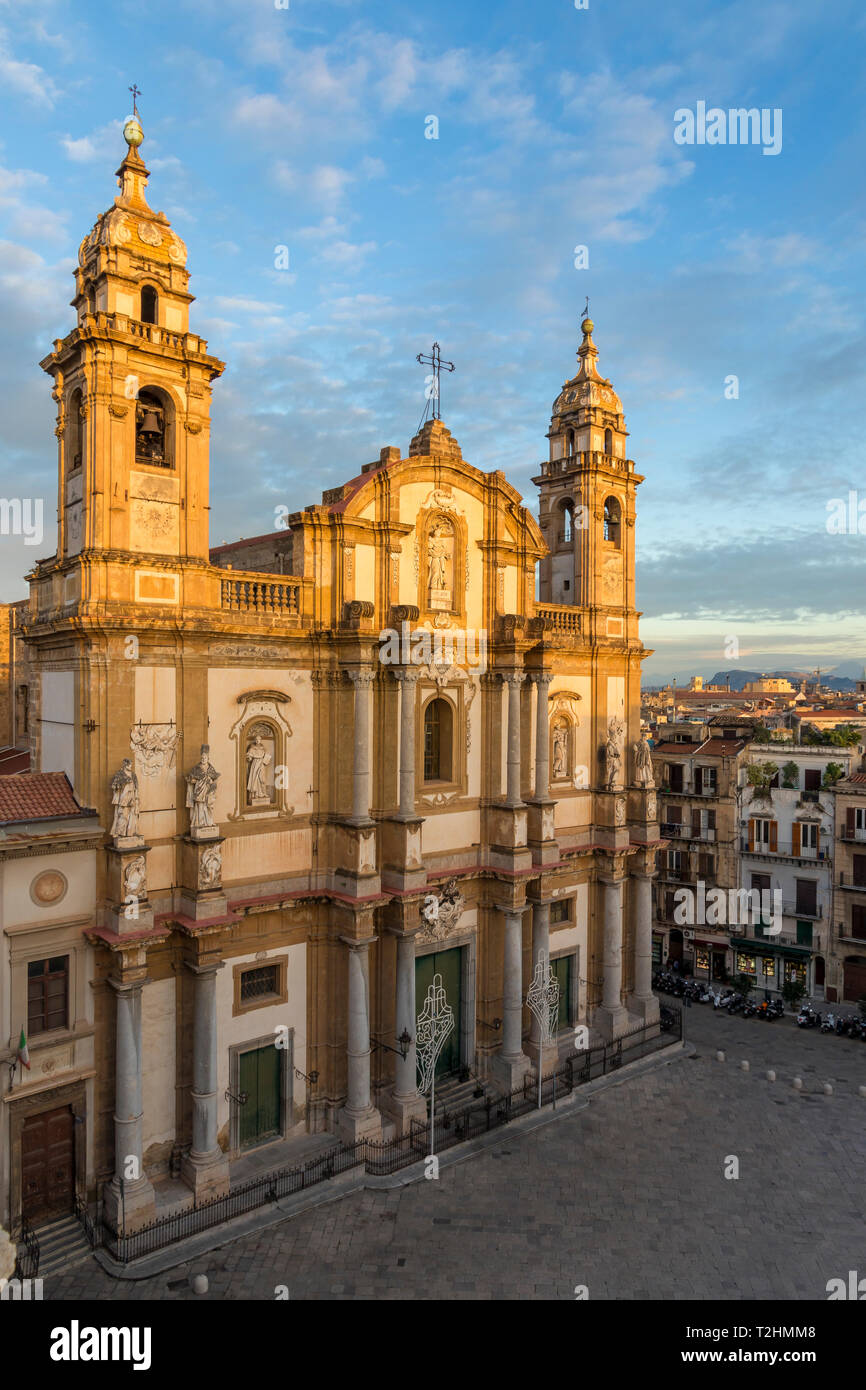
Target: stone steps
<point x="62" y="1243"/>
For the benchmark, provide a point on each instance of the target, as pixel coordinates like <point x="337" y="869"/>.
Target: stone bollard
<point x="720" y="1057"/>
<point x="199" y="1283"/>
<point x="771" y="1076"/>
<point x="798" y="1083"/>
<point x="828" y="1088"/>
<point x="744" y="1066"/>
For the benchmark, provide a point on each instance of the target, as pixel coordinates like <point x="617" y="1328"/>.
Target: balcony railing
<point x="791" y="909"/>
<point x="560" y="617"/>
<point x="257" y="594"/>
<point x="549" y="468"/>
<point x="855" y="836"/>
<point x="672" y="830"/>
<point x="785" y="849"/>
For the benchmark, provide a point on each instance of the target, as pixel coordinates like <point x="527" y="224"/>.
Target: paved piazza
<point x="627" y="1197"/>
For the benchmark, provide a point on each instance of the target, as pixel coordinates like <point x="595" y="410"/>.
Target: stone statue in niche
<point x="613" y="753"/>
<point x="440" y="564"/>
<point x="643" y="764"/>
<point x="259" y="755"/>
<point x="560" y="750"/>
<point x="201" y="786"/>
<point x="124" y="799"/>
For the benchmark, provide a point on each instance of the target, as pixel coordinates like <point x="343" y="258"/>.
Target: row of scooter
<point x="843" y="1025"/>
<point x="701" y="992"/>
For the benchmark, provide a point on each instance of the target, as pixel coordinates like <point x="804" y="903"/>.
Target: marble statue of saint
<point x="560" y="752"/>
<point x="612" y="753"/>
<point x="201" y="785"/>
<point x="258" y="759"/>
<point x="124" y="799"/>
<point x="438" y="557"/>
<point x="643" y="764"/>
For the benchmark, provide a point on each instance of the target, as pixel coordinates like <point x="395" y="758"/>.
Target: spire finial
<point x="136" y="93"/>
<point x="132" y="131"/>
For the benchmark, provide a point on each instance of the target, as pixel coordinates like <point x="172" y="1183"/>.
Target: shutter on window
<point x="696" y="822"/>
<point x="795" y="837"/>
<point x="774" y="836"/>
<point x="751" y="833"/>
<point x="849" y="820"/>
<point x="711" y="820"/>
<point x="697" y="781"/>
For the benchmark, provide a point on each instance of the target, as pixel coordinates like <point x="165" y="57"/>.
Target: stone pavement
<point x="627" y="1196"/>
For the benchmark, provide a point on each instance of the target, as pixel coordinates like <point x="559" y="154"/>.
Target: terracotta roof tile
<point x="30" y="796"/>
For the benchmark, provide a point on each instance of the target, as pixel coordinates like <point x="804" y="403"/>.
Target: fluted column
<point x="511" y="1063"/>
<point x="362" y="680"/>
<point x="205" y="1168"/>
<point x="541" y="681"/>
<point x="408" y="678"/>
<point x="611" y="1018"/>
<point x="642" y="1001"/>
<point x="514" y="680"/>
<point x="130" y="1194"/>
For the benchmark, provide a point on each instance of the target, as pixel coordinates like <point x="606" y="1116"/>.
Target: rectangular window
<point x="706" y="780"/>
<point x="674" y="860"/>
<point x="674" y="815"/>
<point x="812" y="779"/>
<point x="47" y="994"/>
<point x="795" y="971"/>
<point x="676" y="777"/>
<point x="255" y="984"/>
<point x="807" y="897"/>
<point x="702" y="958"/>
<point x="746" y="964"/>
<point x="860" y="870"/>
<point x="804" y="933"/>
<point x="808" y="838"/>
<point x="769" y="966"/>
<point x="858" y="922"/>
<point x="560" y="912"/>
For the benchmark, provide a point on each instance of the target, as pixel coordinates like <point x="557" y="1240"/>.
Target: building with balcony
<point x="846" y="965"/>
<point x="787" y="827"/>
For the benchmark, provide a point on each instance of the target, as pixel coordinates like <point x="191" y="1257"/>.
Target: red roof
<point x="856" y="777"/>
<point x="33" y="796"/>
<point x="14" y="760"/>
<point x="251" y="540"/>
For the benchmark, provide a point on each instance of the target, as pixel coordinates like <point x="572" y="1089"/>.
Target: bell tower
<point x="587" y="500"/>
<point x="132" y="387"/>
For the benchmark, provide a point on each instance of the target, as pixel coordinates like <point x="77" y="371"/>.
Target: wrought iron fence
<point x="451" y="1127"/>
<point x="27" y="1252"/>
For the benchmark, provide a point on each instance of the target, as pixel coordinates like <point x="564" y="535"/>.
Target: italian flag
<point x="23" y="1054"/>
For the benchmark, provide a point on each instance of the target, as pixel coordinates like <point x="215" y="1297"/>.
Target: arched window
<point x="569" y="441"/>
<point x="153" y="435"/>
<point x="438" y="741"/>
<point x="608" y="441"/>
<point x="74" y="432"/>
<point x="567" y="532"/>
<point x="149" y="304"/>
<point x="612" y="520"/>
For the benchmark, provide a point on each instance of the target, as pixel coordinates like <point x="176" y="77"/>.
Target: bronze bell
<point x="150" y="423"/>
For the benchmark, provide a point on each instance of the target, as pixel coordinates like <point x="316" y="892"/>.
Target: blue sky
<point x="305" y="127"/>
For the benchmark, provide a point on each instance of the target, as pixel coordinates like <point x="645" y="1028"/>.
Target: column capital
<point x="409" y="674"/>
<point x="362" y="678"/>
<point x="204" y="967"/>
<point x="355" y="945"/>
<point x="540" y="678"/>
<point x="512" y="677"/>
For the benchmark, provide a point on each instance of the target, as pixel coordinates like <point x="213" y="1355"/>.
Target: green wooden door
<point x="562" y="968"/>
<point x="447" y="964"/>
<point x="260" y="1078"/>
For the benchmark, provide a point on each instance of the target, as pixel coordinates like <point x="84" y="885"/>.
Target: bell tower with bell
<point x="132" y="387"/>
<point x="587" y="502"/>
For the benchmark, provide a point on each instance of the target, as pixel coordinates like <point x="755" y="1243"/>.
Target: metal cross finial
<point x="434" y="360"/>
<point x="136" y="93"/>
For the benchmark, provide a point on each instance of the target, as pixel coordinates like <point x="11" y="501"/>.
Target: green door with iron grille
<point x="260" y="1078"/>
<point x="447" y="964"/>
<point x="562" y="968"/>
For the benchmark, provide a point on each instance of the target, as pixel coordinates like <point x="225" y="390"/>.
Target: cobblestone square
<point x="627" y="1196"/>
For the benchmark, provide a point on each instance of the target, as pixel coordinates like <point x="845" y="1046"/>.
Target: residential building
<point x="846" y="964"/>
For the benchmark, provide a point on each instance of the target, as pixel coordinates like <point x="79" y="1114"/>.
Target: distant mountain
<point x="737" y="678"/>
<point x="842" y="678"/>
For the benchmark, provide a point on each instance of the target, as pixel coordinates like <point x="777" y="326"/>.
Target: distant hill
<point x="842" y="678"/>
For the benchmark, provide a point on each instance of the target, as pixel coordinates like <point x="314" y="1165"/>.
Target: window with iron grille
<point x="47" y="994"/>
<point x="256" y="984"/>
<point x="560" y="912"/>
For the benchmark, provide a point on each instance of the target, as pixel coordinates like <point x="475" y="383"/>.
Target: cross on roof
<point x="434" y="360"/>
<point x="136" y="93"/>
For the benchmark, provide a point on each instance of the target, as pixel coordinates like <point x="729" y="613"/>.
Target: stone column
<point x="511" y="1063"/>
<point x="206" y="1167"/>
<point x="362" y="680"/>
<point x="541" y="680"/>
<point x="406" y="1099"/>
<point x="642" y="1001"/>
<point x="129" y="1197"/>
<point x="611" y="1018"/>
<point x="358" y="1118"/>
<point x="408" y="678"/>
<point x="514" y="680"/>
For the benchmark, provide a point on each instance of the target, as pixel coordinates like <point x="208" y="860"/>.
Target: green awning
<point x="761" y="945"/>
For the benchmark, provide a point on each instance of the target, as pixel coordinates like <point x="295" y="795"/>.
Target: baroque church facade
<point x="329" y="765"/>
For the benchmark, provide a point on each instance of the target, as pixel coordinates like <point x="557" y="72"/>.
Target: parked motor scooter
<point x="829" y="1024"/>
<point x="808" y="1018"/>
